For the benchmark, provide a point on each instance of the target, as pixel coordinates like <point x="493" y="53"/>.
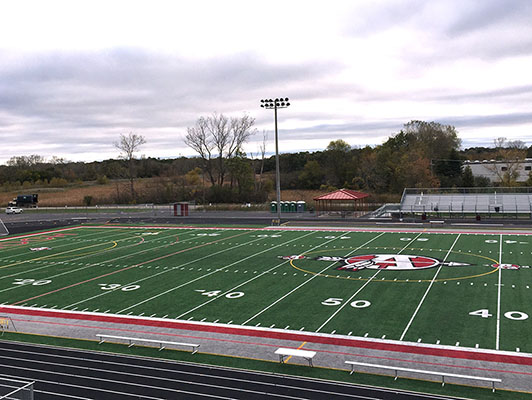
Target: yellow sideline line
<point x="299" y="348"/>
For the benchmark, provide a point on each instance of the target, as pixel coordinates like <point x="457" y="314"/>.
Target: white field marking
<point x="348" y="301"/>
<point x="87" y="265"/>
<point x="116" y="382"/>
<point x="308" y="280"/>
<point x="166" y="271"/>
<point x="148" y="369"/>
<point x="361" y="288"/>
<point x="38" y="259"/>
<point x="25" y="249"/>
<point x="213" y="272"/>
<point x="428" y="289"/>
<point x="497" y="334"/>
<point x="249" y="280"/>
<point x="53" y="263"/>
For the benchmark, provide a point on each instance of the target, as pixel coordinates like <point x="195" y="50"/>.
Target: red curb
<point x="479" y="355"/>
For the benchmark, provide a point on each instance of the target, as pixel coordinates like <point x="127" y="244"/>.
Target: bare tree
<point x="262" y="151"/>
<point x="216" y="139"/>
<point x="128" y="146"/>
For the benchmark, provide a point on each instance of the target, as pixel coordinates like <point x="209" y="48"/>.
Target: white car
<point x="13" y="210"/>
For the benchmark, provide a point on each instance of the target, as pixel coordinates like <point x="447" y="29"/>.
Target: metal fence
<point x="15" y="389"/>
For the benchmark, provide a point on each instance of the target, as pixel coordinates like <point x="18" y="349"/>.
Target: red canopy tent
<point x="342" y="200"/>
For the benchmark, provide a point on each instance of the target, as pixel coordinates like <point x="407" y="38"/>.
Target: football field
<point x="461" y="289"/>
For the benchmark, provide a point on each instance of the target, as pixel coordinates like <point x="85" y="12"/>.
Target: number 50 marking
<point x="335" y="301"/>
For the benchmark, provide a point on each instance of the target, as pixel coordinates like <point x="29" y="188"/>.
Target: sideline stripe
<point x="323" y="229"/>
<point x="504" y="357"/>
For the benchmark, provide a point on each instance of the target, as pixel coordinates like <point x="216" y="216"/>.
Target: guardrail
<point x="419" y="371"/>
<point x="162" y="343"/>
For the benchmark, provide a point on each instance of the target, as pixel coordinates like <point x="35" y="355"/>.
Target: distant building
<point x="493" y="169"/>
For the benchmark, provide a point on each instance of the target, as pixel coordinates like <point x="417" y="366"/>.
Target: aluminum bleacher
<point x="467" y="200"/>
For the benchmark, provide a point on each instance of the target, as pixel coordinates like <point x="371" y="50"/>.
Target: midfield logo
<point x="393" y="262"/>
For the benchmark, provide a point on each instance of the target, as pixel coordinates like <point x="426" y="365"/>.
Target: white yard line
<point x="210" y="273"/>
<point x="84" y="267"/>
<point x="428" y="289"/>
<point x="308" y="280"/>
<point x="497" y="335"/>
<point x="39" y="258"/>
<point x="348" y="301"/>
<point x="360" y="289"/>
<point x="160" y="273"/>
<point x="24" y="247"/>
<point x="246" y="282"/>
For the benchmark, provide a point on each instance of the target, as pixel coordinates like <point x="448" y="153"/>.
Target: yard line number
<point x="116" y="286"/>
<point x="34" y="282"/>
<point x="213" y="293"/>
<point x="514" y="315"/>
<point x="335" y="301"/>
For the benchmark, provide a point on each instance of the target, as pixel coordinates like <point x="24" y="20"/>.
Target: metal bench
<point x="306" y="354"/>
<point x="419" y="371"/>
<point x="162" y="343"/>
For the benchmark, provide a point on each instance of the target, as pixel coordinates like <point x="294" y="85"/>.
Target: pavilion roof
<point x="342" y="194"/>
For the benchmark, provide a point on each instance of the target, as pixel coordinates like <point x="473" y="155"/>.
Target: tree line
<point x="421" y="154"/>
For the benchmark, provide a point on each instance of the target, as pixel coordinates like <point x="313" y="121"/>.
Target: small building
<point x="494" y="169"/>
<point x="343" y="201"/>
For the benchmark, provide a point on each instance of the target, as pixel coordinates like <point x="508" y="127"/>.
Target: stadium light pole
<point x="275" y="104"/>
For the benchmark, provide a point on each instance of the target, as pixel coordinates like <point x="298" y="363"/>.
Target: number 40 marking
<point x="515" y="315"/>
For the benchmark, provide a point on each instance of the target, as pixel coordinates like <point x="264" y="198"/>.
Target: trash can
<point x="301" y="206"/>
<point x="273" y="206"/>
<point x="293" y="208"/>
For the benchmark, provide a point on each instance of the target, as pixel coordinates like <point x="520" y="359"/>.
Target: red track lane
<point x="499" y="357"/>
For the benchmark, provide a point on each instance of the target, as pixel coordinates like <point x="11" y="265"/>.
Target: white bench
<point x="418" y="371"/>
<point x="306" y="354"/>
<point x="162" y="343"/>
<point x="437" y="222"/>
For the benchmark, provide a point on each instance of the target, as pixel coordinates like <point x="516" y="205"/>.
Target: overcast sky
<point x="74" y="75"/>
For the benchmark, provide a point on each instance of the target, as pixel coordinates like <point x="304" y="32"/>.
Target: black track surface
<point x="74" y="374"/>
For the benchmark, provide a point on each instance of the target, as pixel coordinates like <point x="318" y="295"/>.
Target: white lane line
<point x="362" y="287"/>
<point x="308" y="280"/>
<point x="208" y="274"/>
<point x="497" y="335"/>
<point x="180" y="382"/>
<point x="245" y="282"/>
<point x="28" y="356"/>
<point x="428" y="289"/>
